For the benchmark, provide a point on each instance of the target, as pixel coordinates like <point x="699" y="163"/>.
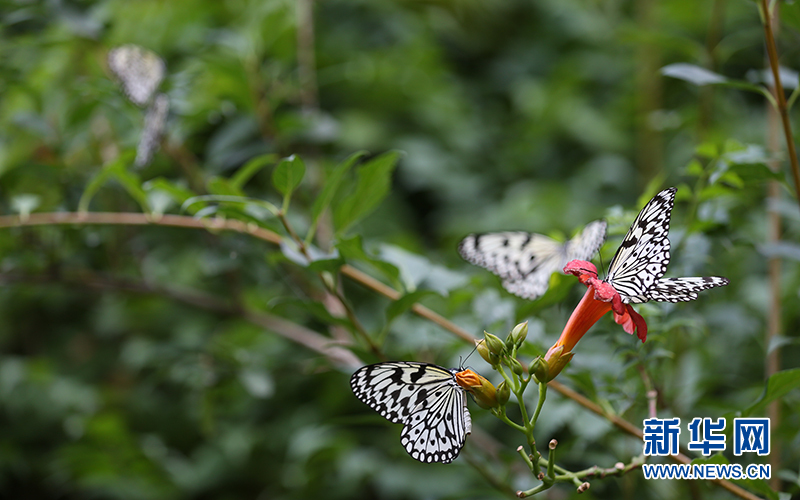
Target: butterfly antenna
<point x="461" y="362"/>
<point x="602" y="266"/>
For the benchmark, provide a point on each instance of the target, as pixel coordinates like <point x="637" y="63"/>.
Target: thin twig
<point x="306" y="60"/>
<point x="774" y="326"/>
<point x="783" y="109"/>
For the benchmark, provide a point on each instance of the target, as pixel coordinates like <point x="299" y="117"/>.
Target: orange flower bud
<point x="481" y="389"/>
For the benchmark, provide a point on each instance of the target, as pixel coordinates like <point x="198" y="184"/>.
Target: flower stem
<point x="542" y="397"/>
<point x="501" y="414"/>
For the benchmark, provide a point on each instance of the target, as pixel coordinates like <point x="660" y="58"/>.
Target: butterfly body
<point x="643" y="256"/>
<point x="524" y="261"/>
<point x="426" y="398"/>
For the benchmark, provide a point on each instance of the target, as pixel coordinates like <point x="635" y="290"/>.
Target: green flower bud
<point x="518" y="334"/>
<point x="503" y="393"/>
<point x="556" y="360"/>
<point x="489" y="357"/>
<point x="539" y="369"/>
<point x="515" y="366"/>
<point x="494" y="344"/>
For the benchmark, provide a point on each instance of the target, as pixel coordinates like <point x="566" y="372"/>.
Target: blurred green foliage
<point x="129" y="368"/>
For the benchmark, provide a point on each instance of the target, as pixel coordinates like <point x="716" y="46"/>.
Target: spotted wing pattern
<point x="423" y="397"/>
<point x="643" y="256"/>
<point x="642" y="259"/>
<point x="683" y="289"/>
<point x="525" y="261"/>
<point x="140" y="71"/>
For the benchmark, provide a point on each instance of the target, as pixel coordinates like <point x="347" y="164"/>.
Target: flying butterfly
<point x="427" y="399"/>
<point x="139" y="71"/>
<point x="525" y="261"/>
<point x="641" y="260"/>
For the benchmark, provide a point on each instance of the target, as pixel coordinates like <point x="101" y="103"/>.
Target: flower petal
<point x="582" y="269"/>
<point x="632" y="322"/>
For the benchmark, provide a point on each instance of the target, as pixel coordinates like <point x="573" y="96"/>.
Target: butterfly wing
<point x="437" y="427"/>
<point x="154" y="122"/>
<point x="524" y="261"/>
<point x="587" y="242"/>
<point x="643" y="255"/>
<point x="139" y="70"/>
<point x="682" y="289"/>
<point x="422" y="396"/>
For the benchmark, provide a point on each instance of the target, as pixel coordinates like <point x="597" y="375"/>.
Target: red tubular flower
<point x="600" y="298"/>
<point x="631" y="321"/>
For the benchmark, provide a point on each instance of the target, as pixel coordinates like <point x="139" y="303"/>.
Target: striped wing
<point x="683" y="289"/>
<point x="423" y="397"/>
<point x="587" y="243"/>
<point x="641" y="260"/>
<point x="140" y="71"/>
<point x="525" y="261"/>
<point x="643" y="256"/>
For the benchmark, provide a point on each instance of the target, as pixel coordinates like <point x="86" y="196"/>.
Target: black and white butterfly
<point x="425" y="398"/>
<point x="525" y="261"/>
<point x="641" y="260"/>
<point x="139" y="71"/>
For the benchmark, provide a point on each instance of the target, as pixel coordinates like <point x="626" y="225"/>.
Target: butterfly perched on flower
<point x="139" y="71"/>
<point x="525" y="261"/>
<point x="427" y="399"/>
<point x="641" y="260"/>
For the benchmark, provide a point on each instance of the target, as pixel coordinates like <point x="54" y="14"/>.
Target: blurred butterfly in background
<point x="140" y="73"/>
<point x="525" y="261"/>
<point x="635" y="271"/>
<point x="427" y="399"/>
<point x="154" y="122"/>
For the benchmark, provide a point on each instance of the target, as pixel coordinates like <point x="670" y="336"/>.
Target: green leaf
<point x="374" y="181"/>
<point x="693" y="74"/>
<point x="329" y="190"/>
<point x="133" y="185"/>
<point x="288" y="174"/>
<point x="352" y="250"/>
<point x="250" y="169"/>
<point x="222" y="186"/>
<point x="700" y="76"/>
<point x="178" y="193"/>
<point x="405" y="303"/>
<point x="776" y="387"/>
<point x="242" y="202"/>
<point x="116" y="170"/>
